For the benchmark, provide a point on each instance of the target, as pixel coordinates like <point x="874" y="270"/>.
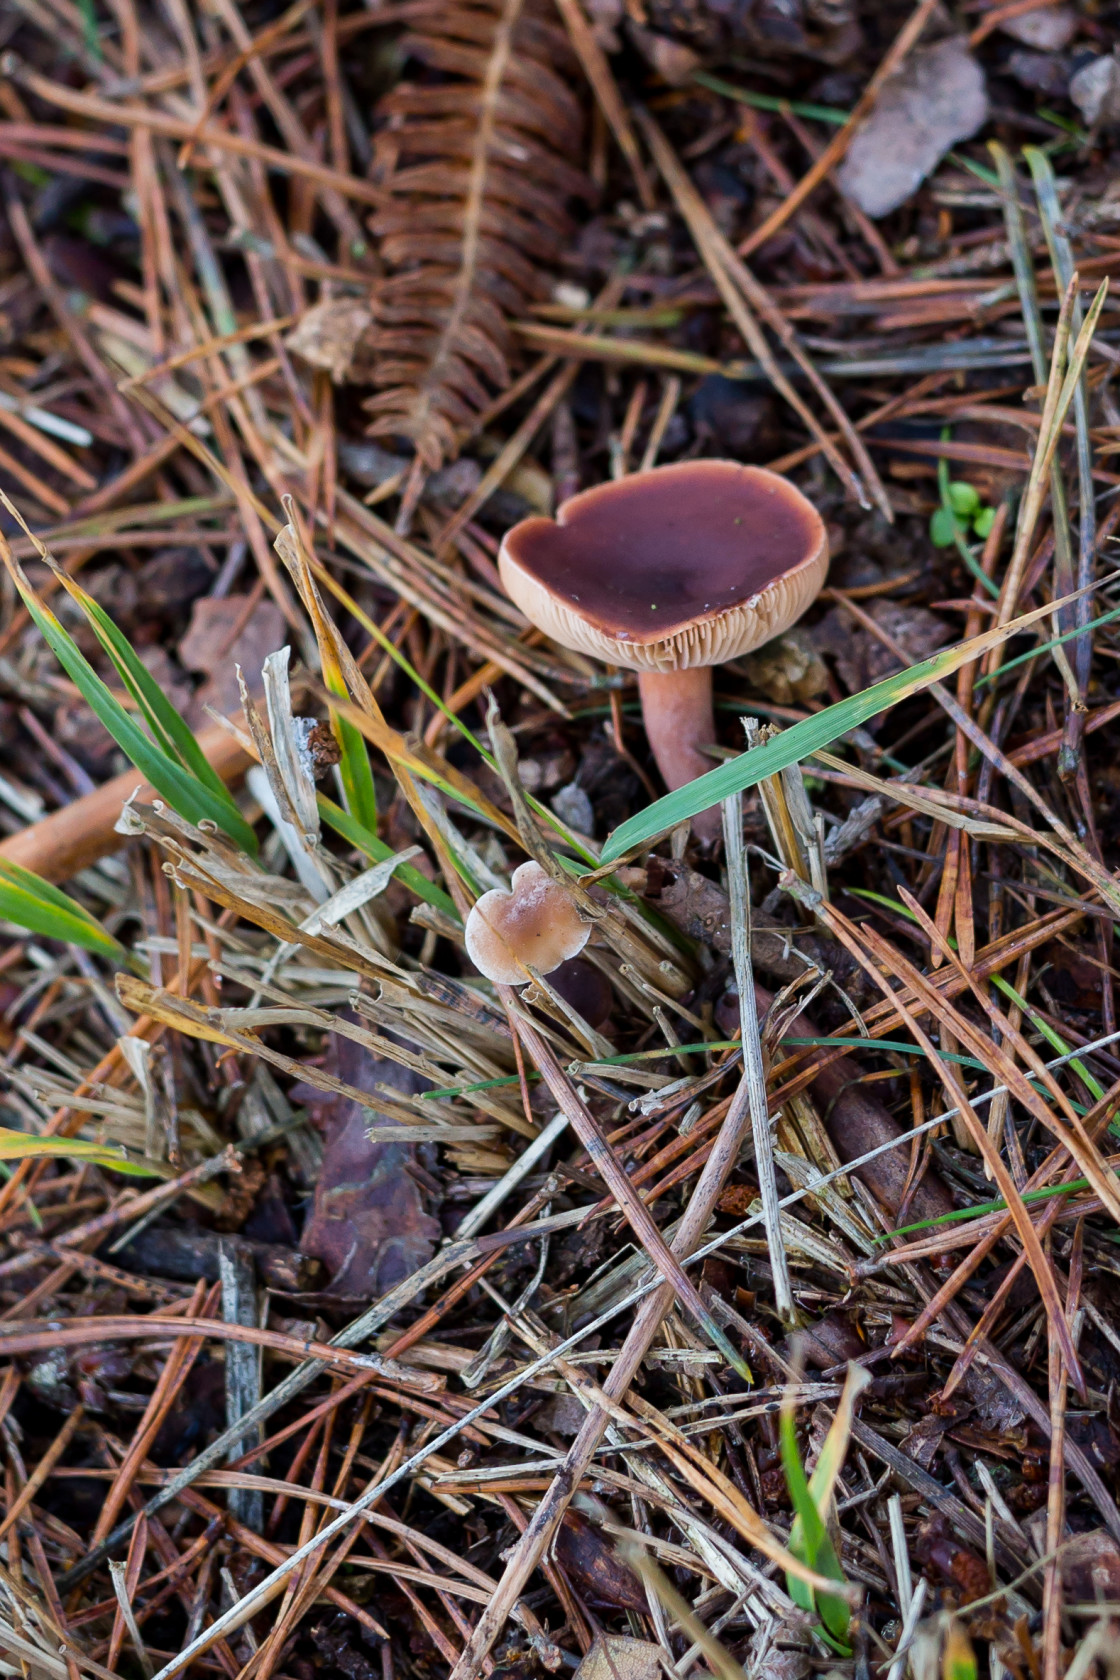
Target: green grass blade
<point x="171" y="733"/>
<point x="34" y="904"/>
<point x="390" y="648"/>
<point x="356" y="773"/>
<point x="979" y="1210"/>
<point x="806" y="737"/>
<point x="832" y="1455"/>
<point x="1055" y="1040"/>
<point x="183" y="791"/>
<point x="359" y="836"/>
<point x="771" y="102"/>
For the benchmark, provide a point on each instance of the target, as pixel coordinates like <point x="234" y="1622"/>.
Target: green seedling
<point x="961" y="514"/>
<point x="811" y="1497"/>
<point x="162" y="747"/>
<point x="961" y="508"/>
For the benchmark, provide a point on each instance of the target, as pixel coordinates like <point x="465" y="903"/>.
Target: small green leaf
<point x="983" y="522"/>
<point x="943" y="528"/>
<point x="809" y="1540"/>
<point x="963" y="498"/>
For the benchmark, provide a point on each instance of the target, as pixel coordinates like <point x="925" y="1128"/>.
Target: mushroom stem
<point x="677" y="710"/>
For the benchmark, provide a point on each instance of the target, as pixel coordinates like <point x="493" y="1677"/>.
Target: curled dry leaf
<point x="331" y="336"/>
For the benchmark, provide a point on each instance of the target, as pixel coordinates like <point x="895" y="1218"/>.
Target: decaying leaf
<point x="788" y="669"/>
<point x="936" y="99"/>
<point x="614" y="1657"/>
<point x="861" y="658"/>
<point x="223" y="634"/>
<point x="594" y="1567"/>
<point x="331" y="336"/>
<point x="368" y="1224"/>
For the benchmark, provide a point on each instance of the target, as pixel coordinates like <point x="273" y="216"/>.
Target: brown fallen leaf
<point x="615" y="1657"/>
<point x="224" y="633"/>
<point x="935" y="100"/>
<point x="595" y="1569"/>
<point x="1047" y="30"/>
<point x="788" y="669"/>
<point x="1090" y="1565"/>
<point x="330" y="336"/>
<point x="861" y="658"/>
<point x="368" y="1223"/>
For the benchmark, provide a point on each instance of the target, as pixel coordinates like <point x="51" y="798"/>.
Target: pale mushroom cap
<point x="689" y="564"/>
<point x="534" y="925"/>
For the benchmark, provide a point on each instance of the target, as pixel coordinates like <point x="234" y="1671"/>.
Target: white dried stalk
<point x="526" y="1161"/>
<point x="289" y="741"/>
<point x="119" y="1572"/>
<point x="364" y="887"/>
<point x="754" y="1071"/>
<point x="909" y="1627"/>
<point x="138" y="1054"/>
<point x="243" y="1372"/>
<point x="310" y="878"/>
<point x="901" y="1555"/>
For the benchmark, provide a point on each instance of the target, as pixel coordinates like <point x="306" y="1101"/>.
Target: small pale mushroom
<point x="668" y="573"/>
<point x="534" y="925"/>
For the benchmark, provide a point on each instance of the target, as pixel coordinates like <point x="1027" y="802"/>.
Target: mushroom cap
<point x="534" y="924"/>
<point x="689" y="564"/>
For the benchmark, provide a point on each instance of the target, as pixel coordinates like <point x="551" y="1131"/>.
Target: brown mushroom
<point x="534" y="925"/>
<point x="668" y="573"/>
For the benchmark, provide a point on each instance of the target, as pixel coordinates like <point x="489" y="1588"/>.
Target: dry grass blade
<point x="607" y="1165"/>
<point x="754" y="1072"/>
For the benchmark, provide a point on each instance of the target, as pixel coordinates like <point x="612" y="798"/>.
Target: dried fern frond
<point x="478" y="170"/>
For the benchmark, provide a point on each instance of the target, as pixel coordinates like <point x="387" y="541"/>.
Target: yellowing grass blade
<point x="24" y="1146"/>
<point x="32" y="903"/>
<point x="354" y="766"/>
